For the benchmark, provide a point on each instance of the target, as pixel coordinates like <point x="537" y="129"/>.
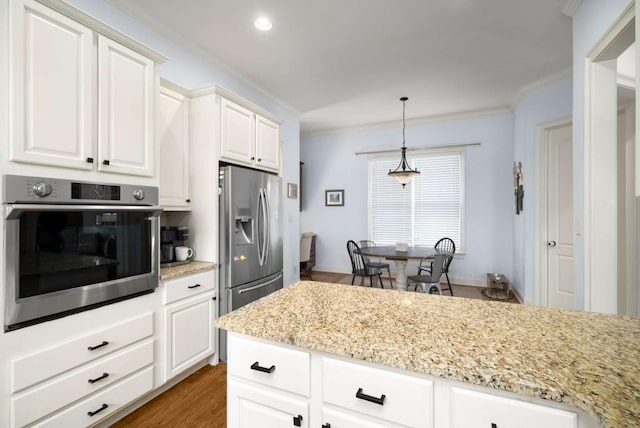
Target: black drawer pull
<point x="327" y="425"/>
<point x="104" y="375"/>
<point x="187" y="200"/>
<point x="297" y="421"/>
<point x="93" y="348"/>
<point x="89" y="160"/>
<point x="259" y="159"/>
<point x="256" y="366"/>
<point x="494" y="425"/>
<point x="369" y="398"/>
<point x="105" y="162"/>
<point x="95" y="412"/>
<point x="193" y="286"/>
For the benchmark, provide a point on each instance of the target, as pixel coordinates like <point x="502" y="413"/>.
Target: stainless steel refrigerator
<point x="250" y="238"/>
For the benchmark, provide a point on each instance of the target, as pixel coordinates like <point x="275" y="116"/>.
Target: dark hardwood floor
<point x="201" y="399"/>
<point x="198" y="401"/>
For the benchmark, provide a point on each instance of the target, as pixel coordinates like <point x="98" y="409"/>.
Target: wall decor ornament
<point x="334" y="198"/>
<point x="518" y="186"/>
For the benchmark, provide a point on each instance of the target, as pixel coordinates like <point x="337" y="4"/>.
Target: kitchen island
<point x="585" y="360"/>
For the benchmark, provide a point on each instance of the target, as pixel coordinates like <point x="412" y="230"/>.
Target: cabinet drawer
<point x="390" y="396"/>
<point x="475" y="409"/>
<point x="187" y="286"/>
<point x="275" y="366"/>
<point x="43" y="365"/>
<point x="339" y="419"/>
<point x="73" y="386"/>
<point x="114" y="398"/>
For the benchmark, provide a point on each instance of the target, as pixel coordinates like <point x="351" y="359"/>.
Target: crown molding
<point x="570" y="7"/>
<point x="100" y="27"/>
<point x="218" y="90"/>
<point x="128" y="8"/>
<point x="415" y="121"/>
<point x="524" y="90"/>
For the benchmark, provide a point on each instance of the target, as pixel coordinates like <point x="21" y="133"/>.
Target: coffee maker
<point x="170" y="238"/>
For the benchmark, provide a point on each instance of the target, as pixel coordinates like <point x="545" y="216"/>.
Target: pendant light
<point x="403" y="173"/>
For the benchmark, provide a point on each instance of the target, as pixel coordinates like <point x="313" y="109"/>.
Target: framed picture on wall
<point x="292" y="191"/>
<point x="334" y="198"/>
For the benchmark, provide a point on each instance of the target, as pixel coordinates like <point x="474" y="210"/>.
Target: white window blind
<point x="430" y="207"/>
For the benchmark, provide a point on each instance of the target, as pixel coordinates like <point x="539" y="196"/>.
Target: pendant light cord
<point x="404" y="103"/>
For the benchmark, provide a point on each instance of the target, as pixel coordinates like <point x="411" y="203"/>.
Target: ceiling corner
<point x="570" y="7"/>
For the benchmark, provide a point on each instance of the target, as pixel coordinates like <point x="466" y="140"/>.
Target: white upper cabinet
<point x="57" y="116"/>
<point x="237" y="132"/>
<point x="125" y="109"/>
<point x="172" y="127"/>
<point x="246" y="134"/>
<point x="267" y="143"/>
<point x="51" y="87"/>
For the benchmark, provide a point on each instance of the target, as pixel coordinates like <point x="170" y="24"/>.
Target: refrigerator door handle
<point x="260" y="225"/>
<point x="267" y="222"/>
<point x="264" y="284"/>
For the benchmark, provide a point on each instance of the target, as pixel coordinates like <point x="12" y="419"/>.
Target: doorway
<point x="555" y="215"/>
<point x="610" y="210"/>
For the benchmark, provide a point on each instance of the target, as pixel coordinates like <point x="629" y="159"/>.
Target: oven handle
<point x="14" y="210"/>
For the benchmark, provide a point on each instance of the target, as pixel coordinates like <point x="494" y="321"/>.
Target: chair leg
<point x="371" y="280"/>
<point x="353" y="278"/>
<point x="390" y="280"/>
<point x="380" y="279"/>
<point x="446" y="274"/>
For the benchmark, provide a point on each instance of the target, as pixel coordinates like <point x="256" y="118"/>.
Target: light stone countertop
<point x="192" y="267"/>
<point x="587" y="360"/>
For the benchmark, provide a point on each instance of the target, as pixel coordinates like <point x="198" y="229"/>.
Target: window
<point x="430" y="207"/>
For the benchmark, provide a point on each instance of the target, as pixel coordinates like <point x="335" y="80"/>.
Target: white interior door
<point x="560" y="266"/>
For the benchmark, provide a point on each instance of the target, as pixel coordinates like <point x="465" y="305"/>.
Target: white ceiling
<point x="345" y="63"/>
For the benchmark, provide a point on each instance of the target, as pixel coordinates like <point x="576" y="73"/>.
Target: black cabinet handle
<point x="256" y="366"/>
<point x="89" y="160"/>
<point x="193" y="286"/>
<point x="327" y="425"/>
<point x="494" y="425"/>
<point x="214" y="298"/>
<point x="95" y="412"/>
<point x="297" y="421"/>
<point x="369" y="398"/>
<point x="253" y="158"/>
<point x="187" y="200"/>
<point x="259" y="159"/>
<point x="105" y="162"/>
<point x="93" y="348"/>
<point x="104" y="375"/>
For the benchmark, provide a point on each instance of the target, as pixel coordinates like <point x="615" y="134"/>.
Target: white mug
<point x="183" y="253"/>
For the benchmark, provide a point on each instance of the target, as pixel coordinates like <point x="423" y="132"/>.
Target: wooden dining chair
<point x="431" y="281"/>
<point x="359" y="266"/>
<point x="378" y="264"/>
<point x="445" y="245"/>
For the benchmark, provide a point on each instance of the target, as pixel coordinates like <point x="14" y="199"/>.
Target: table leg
<point x="401" y="274"/>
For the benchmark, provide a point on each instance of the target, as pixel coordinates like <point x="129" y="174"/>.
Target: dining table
<point x="400" y="258"/>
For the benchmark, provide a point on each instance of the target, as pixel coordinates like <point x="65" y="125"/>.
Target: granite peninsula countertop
<point x="186" y="269"/>
<point x="587" y="360"/>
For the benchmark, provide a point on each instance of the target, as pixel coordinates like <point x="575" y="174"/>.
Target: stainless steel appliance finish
<point x="250" y="238"/>
<point x="72" y="246"/>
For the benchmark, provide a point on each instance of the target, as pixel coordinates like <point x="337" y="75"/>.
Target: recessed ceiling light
<point x="263" y="23"/>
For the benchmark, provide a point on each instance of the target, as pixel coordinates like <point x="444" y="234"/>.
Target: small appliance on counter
<point x="170" y="238"/>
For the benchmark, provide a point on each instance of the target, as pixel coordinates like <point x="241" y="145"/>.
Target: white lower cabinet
<point x="79" y="382"/>
<point x="337" y="392"/>
<point x="473" y="409"/>
<point x="250" y="406"/>
<point x="189" y="316"/>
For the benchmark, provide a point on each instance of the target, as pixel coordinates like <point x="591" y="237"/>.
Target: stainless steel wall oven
<point x="71" y="246"/>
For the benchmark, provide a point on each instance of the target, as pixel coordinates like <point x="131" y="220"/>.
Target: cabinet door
<point x="173" y="135"/>
<point x="125" y="109"/>
<point x="249" y="406"/>
<point x="237" y="132"/>
<point x="50" y="88"/>
<point x="472" y="409"/>
<point x="267" y="144"/>
<point x="189" y="333"/>
<point x="338" y="419"/>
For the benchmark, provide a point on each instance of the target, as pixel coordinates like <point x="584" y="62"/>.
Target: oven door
<point x="62" y="259"/>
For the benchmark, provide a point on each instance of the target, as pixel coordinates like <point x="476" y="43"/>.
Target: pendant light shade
<point x="403" y="173"/>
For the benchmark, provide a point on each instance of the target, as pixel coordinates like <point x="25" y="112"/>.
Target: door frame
<point x="600" y="206"/>
<point x="541" y="287"/>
